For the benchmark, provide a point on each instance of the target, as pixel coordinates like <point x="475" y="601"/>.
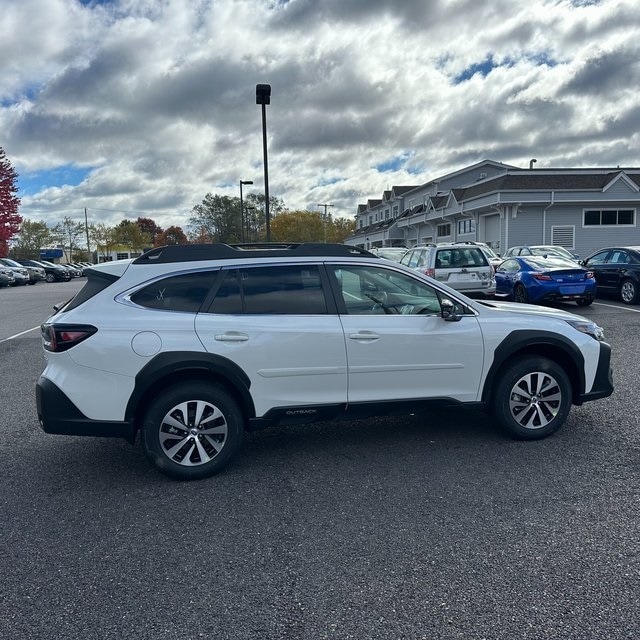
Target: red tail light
<point x="429" y="272"/>
<point x="542" y="276"/>
<point x="60" y="337"/>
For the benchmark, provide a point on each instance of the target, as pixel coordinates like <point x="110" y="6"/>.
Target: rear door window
<point x="273" y="290"/>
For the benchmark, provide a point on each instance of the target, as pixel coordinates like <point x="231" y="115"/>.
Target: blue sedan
<point x="536" y="280"/>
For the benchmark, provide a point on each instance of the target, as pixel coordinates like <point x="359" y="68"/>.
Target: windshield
<point x="558" y="251"/>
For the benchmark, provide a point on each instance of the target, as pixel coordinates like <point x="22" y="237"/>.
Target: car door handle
<point x="231" y="337"/>
<point x="365" y="336"/>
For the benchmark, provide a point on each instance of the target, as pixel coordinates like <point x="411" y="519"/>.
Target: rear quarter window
<point x="184" y="292"/>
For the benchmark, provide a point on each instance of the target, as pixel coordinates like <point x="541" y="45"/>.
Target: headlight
<point x="588" y="327"/>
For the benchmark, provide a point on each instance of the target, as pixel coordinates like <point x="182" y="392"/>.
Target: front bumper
<point x="603" y="381"/>
<point x="57" y="414"/>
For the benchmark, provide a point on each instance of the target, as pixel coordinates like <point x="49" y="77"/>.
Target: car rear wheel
<point x="50" y="277"/>
<point x="192" y="430"/>
<point x="629" y="292"/>
<point x="520" y="294"/>
<point x="532" y="399"/>
<point x="584" y="302"/>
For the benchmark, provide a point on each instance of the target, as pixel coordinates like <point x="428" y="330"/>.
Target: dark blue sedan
<point x="537" y="280"/>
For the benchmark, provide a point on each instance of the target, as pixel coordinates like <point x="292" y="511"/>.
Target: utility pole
<point x="324" y="218"/>
<point x="86" y="229"/>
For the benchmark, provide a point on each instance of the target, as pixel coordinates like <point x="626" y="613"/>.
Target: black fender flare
<point x="541" y="343"/>
<point x="170" y="367"/>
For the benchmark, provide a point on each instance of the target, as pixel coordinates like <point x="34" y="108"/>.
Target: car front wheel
<point x="532" y="399"/>
<point x="192" y="430"/>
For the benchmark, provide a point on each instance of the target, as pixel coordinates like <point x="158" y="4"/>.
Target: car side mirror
<point x="448" y="310"/>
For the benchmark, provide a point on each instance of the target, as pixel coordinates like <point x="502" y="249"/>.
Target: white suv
<point x="192" y="345"/>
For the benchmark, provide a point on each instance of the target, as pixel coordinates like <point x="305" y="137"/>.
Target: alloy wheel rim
<point x="193" y="433"/>
<point x="535" y="400"/>
<point x="628" y="291"/>
<point x="521" y="294"/>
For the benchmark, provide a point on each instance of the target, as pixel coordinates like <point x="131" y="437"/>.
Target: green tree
<point x="310" y="226"/>
<point x="297" y="226"/>
<point x="172" y="235"/>
<point x="216" y="218"/>
<point x="256" y="223"/>
<point x="32" y="237"/>
<point x="129" y="234"/>
<point x="68" y="232"/>
<point x="103" y="237"/>
<point x="339" y="229"/>
<point x="9" y="202"/>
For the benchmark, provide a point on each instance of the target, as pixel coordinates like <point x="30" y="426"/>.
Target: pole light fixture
<point x="242" y="209"/>
<point x="263" y="97"/>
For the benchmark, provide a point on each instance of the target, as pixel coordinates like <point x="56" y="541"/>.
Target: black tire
<point x="50" y="277"/>
<point x="532" y="398"/>
<point x="164" y="430"/>
<point x="520" y="294"/>
<point x="584" y="302"/>
<point x="629" y="291"/>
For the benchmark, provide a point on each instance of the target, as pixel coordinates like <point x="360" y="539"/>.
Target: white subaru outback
<point x="192" y="345"/>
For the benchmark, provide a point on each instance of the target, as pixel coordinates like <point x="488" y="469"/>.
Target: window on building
<point x="443" y="230"/>
<point x="609" y="217"/>
<point x="122" y="256"/>
<point x="466" y="226"/>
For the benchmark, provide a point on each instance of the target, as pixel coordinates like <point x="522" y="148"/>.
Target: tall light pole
<point x="86" y="229"/>
<point x="242" y="209"/>
<point x="263" y="97"/>
<point x="324" y="218"/>
<point x="247" y="220"/>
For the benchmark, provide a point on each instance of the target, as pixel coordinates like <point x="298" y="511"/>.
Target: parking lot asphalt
<point x="428" y="527"/>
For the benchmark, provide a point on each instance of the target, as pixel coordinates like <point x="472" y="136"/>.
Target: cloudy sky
<point x="142" y="107"/>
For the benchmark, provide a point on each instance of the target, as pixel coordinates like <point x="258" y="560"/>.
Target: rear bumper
<point x="58" y="415"/>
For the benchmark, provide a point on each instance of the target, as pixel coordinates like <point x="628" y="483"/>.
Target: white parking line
<point x="615" y="306"/>
<point x="19" y="334"/>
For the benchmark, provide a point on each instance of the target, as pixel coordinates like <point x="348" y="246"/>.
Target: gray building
<point x="504" y="206"/>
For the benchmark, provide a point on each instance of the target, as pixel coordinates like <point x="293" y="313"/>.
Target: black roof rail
<point x="221" y="251"/>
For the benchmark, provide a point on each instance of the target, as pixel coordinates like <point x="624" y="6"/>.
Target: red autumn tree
<point x="172" y="235"/>
<point x="10" y="221"/>
<point x="147" y="225"/>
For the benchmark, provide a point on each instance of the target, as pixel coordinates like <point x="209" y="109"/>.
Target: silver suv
<point x="462" y="267"/>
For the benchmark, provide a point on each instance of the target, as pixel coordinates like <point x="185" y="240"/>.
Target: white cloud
<point x="158" y="98"/>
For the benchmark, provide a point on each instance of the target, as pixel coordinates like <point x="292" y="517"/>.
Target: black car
<point x="53" y="272"/>
<point x="617" y="270"/>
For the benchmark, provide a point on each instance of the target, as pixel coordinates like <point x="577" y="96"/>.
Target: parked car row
<point x="526" y="273"/>
<point x="22" y="272"/>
